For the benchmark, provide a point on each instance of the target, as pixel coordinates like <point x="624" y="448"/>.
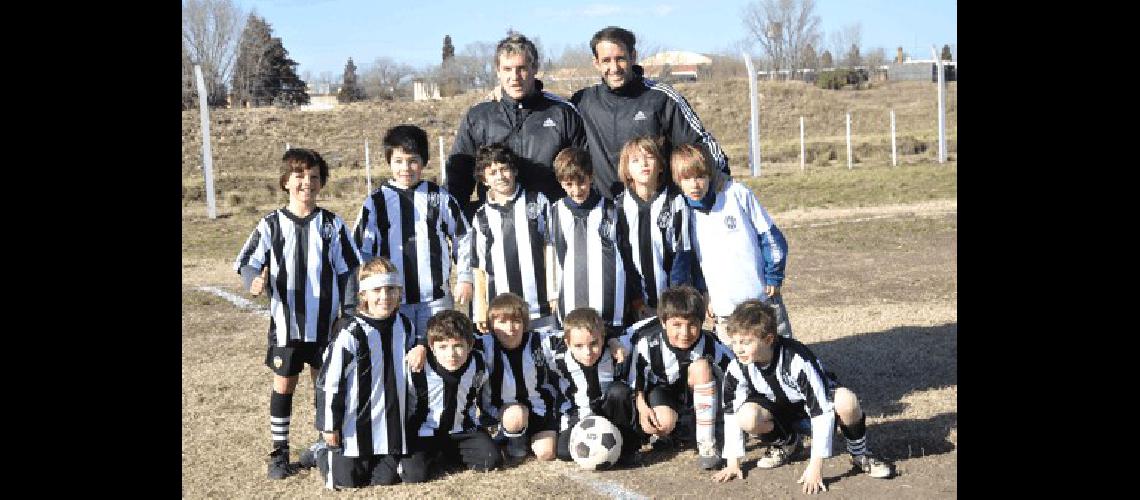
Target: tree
<point x="448" y="49"/>
<point x="946" y="55"/>
<point x="825" y="60"/>
<point x="875" y="57"/>
<point x="783" y="28"/>
<point x="853" y="58"/>
<point x="210" y="30"/>
<point x="809" y="58"/>
<point x="252" y="82"/>
<point x="385" y="78"/>
<point x="264" y="74"/>
<point x="187" y="79"/>
<point x="350" y="91"/>
<point x="846" y="42"/>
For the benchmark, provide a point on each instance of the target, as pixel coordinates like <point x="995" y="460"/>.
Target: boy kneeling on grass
<point x="777" y="388"/>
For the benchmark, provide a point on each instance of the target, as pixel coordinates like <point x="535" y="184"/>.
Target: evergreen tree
<point x="263" y="73"/>
<point x="946" y="55"/>
<point x="448" y="49"/>
<point x="853" y="58"/>
<point x="825" y="59"/>
<point x="350" y="90"/>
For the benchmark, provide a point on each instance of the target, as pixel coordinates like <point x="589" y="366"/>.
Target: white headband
<point x="381" y="280"/>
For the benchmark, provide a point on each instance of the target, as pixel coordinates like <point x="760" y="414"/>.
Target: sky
<point x="322" y="34"/>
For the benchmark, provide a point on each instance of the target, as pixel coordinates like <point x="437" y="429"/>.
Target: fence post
<point x="894" y="157"/>
<point x="848" y="140"/>
<point x="442" y="164"/>
<point x="367" y="170"/>
<point x="207" y="160"/>
<point x="801" y="144"/>
<point x="941" y="105"/>
<point x="754" y="122"/>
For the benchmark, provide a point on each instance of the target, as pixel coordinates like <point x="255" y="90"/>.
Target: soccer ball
<point x="595" y="444"/>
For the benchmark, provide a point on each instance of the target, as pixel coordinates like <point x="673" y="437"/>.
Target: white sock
<point x="704" y="408"/>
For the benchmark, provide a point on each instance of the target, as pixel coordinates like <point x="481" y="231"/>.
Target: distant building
<point x="921" y="70"/>
<point x="679" y="65"/>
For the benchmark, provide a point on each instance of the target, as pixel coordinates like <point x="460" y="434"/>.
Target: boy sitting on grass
<point x="777" y="388"/>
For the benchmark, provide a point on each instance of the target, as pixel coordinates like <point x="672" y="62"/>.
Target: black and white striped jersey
<point x="306" y="256"/>
<point x="578" y="384"/>
<point x="510" y="241"/>
<point x="412" y="228"/>
<point x="656" y="362"/>
<point x="590" y="270"/>
<point x="444" y="401"/>
<point x="657" y="230"/>
<point x="793" y="381"/>
<point x="518" y="375"/>
<point x="365" y="388"/>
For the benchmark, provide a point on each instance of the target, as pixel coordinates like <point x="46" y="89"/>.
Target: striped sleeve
<point x="462" y="239"/>
<point x="734" y="392"/>
<point x="819" y="406"/>
<point x="332" y="378"/>
<point x="364" y="235"/>
<point x="255" y="252"/>
<point x="639" y="368"/>
<point x="347" y="257"/>
<point x="773" y="246"/>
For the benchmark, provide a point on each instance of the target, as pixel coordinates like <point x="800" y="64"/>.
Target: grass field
<point x="871" y="288"/>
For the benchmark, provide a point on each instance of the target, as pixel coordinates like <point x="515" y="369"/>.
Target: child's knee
<point x="754" y="419"/>
<point x="515" y="418"/>
<point x="543" y="445"/>
<point x="700" y="372"/>
<point x="846" y="403"/>
<point x="619" y="391"/>
<point x="284" y="385"/>
<point x="666" y="418"/>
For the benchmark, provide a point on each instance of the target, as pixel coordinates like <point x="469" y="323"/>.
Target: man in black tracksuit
<point x="535" y="125"/>
<point x="629" y="106"/>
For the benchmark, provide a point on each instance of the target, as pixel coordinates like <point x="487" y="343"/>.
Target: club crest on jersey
<point x="277" y="361"/>
<point x="663" y="219"/>
<point x="730" y="221"/>
<point x="639" y="116"/>
<point x="433" y="200"/>
<point x="532" y="210"/>
<point x="327" y="230"/>
<point x="604" y="227"/>
<point x="548" y="123"/>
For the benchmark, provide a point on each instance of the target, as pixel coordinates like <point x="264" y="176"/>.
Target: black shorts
<point x="289" y="361"/>
<point x="789" y="413"/>
<point x="356" y="472"/>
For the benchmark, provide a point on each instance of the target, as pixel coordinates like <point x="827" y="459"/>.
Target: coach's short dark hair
<point x="573" y="164"/>
<point x="515" y="43"/>
<point x="752" y="317"/>
<point x="450" y="324"/>
<point x="681" y="300"/>
<point x="300" y="160"/>
<point x="494" y="153"/>
<point x="409" y="138"/>
<point x="613" y="34"/>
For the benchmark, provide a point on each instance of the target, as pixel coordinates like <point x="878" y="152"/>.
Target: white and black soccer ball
<point x="595" y="444"/>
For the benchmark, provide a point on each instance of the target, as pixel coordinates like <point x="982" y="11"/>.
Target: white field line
<point x="609" y="488"/>
<point x="875" y="217"/>
<point x="237" y="301"/>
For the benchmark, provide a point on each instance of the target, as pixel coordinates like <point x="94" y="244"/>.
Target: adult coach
<point x="535" y="125"/>
<point x="626" y="105"/>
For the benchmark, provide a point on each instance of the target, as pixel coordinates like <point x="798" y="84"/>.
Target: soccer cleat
<point x="309" y="456"/>
<point x="777" y="455"/>
<point x="662" y="443"/>
<point x="279" y="466"/>
<point x="707" y="457"/>
<point x="872" y="466"/>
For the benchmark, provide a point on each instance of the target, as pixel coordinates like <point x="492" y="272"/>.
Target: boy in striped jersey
<point x="777" y="388"/>
<point x="442" y="427"/>
<point x="740" y="251"/>
<point x="364" y="403"/>
<point x="519" y="395"/>
<point x="511" y="231"/>
<point x="654" y="216"/>
<point x="590" y="267"/>
<point x="412" y="221"/>
<point x="304" y="255"/>
<point x="589" y="375"/>
<point x="676" y="372"/>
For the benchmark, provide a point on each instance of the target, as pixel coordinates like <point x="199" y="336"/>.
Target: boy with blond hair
<point x="776" y="387"/>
